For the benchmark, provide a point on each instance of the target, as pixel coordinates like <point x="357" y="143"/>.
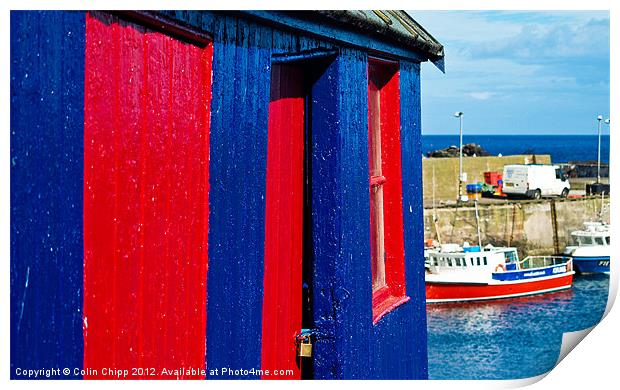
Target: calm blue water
<point x="513" y="338"/>
<point x="562" y="148"/>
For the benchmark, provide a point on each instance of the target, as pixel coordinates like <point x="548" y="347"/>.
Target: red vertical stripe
<point x="393" y="187"/>
<point x="146" y="154"/>
<point x="283" y="222"/>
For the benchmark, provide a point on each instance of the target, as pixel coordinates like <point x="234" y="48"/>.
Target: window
<point x="385" y="170"/>
<point x="607" y="240"/>
<point x="485" y="260"/>
<point x="478" y="260"/>
<point x="598" y="241"/>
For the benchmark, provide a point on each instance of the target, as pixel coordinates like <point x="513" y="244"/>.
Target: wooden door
<point x="146" y="185"/>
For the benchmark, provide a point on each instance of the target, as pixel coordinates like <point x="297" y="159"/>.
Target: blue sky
<point x="517" y="72"/>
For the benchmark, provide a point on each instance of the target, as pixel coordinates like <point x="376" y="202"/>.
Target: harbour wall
<point x="528" y="225"/>
<point x="442" y="174"/>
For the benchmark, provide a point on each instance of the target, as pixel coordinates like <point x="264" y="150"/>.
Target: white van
<point x="534" y="181"/>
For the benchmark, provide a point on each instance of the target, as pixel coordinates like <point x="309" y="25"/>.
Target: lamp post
<point x="459" y="115"/>
<point x="598" y="161"/>
<point x="599" y="142"/>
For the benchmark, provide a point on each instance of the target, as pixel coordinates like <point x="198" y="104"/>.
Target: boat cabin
<point x="594" y="233"/>
<point x="471" y="259"/>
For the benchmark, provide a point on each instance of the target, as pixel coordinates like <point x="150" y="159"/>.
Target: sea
<point x="562" y="148"/>
<point x="514" y="338"/>
<point x="511" y="338"/>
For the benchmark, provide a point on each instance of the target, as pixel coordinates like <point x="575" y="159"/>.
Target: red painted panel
<point x="384" y="112"/>
<point x="393" y="187"/>
<point x="283" y="222"/>
<point x="146" y="185"/>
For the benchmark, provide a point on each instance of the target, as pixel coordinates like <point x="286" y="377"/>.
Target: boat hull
<point x="439" y="292"/>
<point x="591" y="264"/>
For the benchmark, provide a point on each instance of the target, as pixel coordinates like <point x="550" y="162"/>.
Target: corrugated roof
<point x="394" y="25"/>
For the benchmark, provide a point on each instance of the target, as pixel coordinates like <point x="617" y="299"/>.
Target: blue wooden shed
<point x="197" y="194"/>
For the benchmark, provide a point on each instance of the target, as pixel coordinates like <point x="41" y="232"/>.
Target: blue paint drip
<point x="47" y="127"/>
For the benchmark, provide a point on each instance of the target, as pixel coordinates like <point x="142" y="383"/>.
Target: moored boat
<point x="459" y="274"/>
<point x="591" y="254"/>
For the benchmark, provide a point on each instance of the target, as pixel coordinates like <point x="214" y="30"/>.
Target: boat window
<point x="511" y="257"/>
<point x="471" y="261"/>
<point x="599" y="241"/>
<point x="478" y="260"/>
<point x="458" y="262"/>
<point x="485" y="260"/>
<point x="607" y="240"/>
<point x="586" y="240"/>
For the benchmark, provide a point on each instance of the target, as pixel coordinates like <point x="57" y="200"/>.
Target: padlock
<point x="305" y="348"/>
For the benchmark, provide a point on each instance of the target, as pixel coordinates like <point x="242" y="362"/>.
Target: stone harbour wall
<point x="527" y="225"/>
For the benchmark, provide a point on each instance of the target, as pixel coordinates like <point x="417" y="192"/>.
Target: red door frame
<point x="282" y="311"/>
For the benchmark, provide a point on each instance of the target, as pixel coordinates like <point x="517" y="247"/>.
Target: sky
<point x="517" y="72"/>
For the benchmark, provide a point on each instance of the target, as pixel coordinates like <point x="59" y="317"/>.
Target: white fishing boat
<point x="462" y="273"/>
<point x="591" y="252"/>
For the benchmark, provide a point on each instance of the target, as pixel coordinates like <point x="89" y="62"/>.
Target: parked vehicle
<point x="458" y="274"/>
<point x="591" y="251"/>
<point x="534" y="181"/>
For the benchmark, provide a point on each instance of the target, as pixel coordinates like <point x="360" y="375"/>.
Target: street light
<point x="599" y="147"/>
<point x="598" y="161"/>
<point x="459" y="115"/>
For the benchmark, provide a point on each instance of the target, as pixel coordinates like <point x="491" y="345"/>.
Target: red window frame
<point x="385" y="182"/>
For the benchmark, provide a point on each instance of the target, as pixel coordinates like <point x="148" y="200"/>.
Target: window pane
<point x="377" y="228"/>
<point x="377" y="238"/>
<point x="374" y="131"/>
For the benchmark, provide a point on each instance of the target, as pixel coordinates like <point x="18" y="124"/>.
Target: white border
<point x="592" y="365"/>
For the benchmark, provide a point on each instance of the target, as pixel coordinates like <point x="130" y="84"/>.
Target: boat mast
<point x="478" y="223"/>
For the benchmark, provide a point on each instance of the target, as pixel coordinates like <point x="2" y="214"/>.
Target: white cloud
<point x="481" y="95"/>
<point x="512" y="69"/>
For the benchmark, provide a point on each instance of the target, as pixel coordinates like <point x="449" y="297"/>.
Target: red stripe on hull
<point x="468" y="292"/>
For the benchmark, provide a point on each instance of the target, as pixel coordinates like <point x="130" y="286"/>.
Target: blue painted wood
<point x="47" y="126"/>
<point x="326" y="226"/>
<point x="337" y="34"/>
<point x="353" y="292"/>
<point x="411" y="150"/>
<point x="241" y="80"/>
